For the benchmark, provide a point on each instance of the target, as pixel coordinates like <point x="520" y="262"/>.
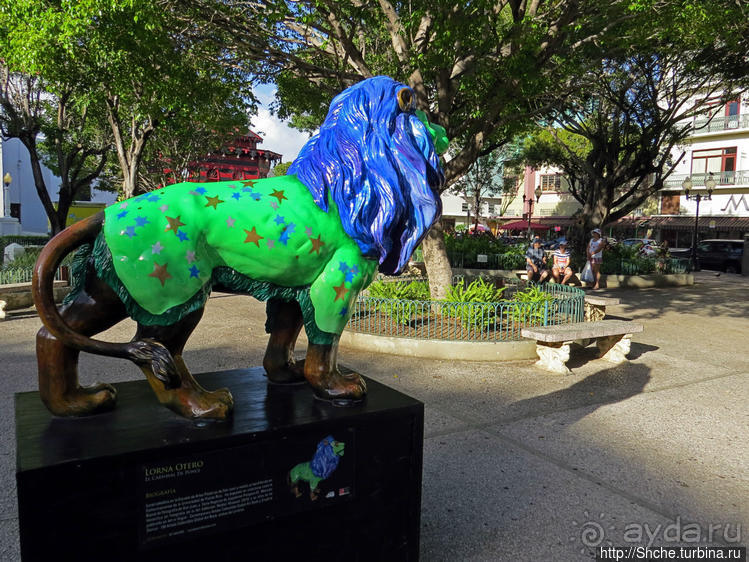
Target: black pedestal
<point x="141" y="483"/>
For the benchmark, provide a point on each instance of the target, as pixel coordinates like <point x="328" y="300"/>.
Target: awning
<point x="522" y="225"/>
<point x="682" y="222"/>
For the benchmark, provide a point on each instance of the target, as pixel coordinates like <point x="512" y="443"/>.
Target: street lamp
<point x="530" y="202"/>
<point x="7" y="178"/>
<point x="687" y="186"/>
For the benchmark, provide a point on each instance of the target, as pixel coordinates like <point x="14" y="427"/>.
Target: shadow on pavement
<point x="607" y="386"/>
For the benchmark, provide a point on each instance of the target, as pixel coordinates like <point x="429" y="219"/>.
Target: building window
<point x="491" y="208"/>
<point x="464" y="207"/>
<point x="719" y="161"/>
<point x="732" y="114"/>
<point x="551" y="182"/>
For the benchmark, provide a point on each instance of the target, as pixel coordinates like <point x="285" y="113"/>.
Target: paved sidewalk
<point x="520" y="464"/>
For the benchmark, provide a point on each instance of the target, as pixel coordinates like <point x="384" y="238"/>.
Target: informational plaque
<point x="234" y="487"/>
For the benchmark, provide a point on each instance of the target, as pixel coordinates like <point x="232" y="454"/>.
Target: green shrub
<point x="534" y="305"/>
<point x="473" y="304"/>
<point x="26" y="260"/>
<point x="413" y="290"/>
<point x="400" y="298"/>
<point x="29" y="240"/>
<point x="463" y="251"/>
<point x="626" y="260"/>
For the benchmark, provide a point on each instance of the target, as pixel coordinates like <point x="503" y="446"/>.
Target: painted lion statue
<point x="359" y="199"/>
<point x="326" y="459"/>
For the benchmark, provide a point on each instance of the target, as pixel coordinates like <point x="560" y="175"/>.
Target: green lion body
<point x="166" y="246"/>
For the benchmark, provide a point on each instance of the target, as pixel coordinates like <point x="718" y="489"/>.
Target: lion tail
<point x="146" y="353"/>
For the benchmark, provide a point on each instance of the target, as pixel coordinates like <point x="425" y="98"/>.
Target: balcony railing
<point x="716" y="124"/>
<point x="739" y="177"/>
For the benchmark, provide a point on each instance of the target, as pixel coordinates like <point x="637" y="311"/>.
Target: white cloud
<point x="277" y="135"/>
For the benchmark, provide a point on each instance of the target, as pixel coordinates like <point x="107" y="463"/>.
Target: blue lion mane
<point x="379" y="166"/>
<point x="325" y="460"/>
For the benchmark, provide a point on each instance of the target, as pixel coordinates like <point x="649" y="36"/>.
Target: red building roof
<point x="240" y="159"/>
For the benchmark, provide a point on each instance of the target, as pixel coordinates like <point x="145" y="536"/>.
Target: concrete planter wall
<point x="18" y="295"/>
<point x="441" y="349"/>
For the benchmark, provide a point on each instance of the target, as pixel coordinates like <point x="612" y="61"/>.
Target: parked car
<point x="718" y="254"/>
<point x="649" y="246"/>
<point x="552" y="244"/>
<point x="643" y="241"/>
<point x="512" y="240"/>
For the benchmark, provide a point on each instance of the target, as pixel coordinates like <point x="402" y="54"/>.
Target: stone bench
<point x="613" y="338"/>
<point x="595" y="307"/>
<point x="16" y="296"/>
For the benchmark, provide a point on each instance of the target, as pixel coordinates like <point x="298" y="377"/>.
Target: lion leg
<point x="328" y="383"/>
<point x="93" y="310"/>
<point x="294" y="476"/>
<point x="189" y="400"/>
<point x="284" y="324"/>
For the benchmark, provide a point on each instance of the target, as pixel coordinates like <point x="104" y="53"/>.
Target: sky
<point x="277" y="135"/>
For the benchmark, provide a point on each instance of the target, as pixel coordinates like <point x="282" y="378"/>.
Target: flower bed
<point x="482" y="311"/>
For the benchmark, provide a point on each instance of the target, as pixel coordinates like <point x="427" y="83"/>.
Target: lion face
<point x="375" y="158"/>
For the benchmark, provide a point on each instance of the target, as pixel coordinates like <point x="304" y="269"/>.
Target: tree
<point x="57" y="132"/>
<point x="481" y="69"/>
<point x="281" y="169"/>
<point x="135" y="62"/>
<point x="486" y="178"/>
<point x="616" y="145"/>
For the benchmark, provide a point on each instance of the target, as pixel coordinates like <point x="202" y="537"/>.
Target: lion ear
<point x="405" y="99"/>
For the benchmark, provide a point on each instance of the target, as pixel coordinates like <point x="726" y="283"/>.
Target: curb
<point x="441" y="349"/>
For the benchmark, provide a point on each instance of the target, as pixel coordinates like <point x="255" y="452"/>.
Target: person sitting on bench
<point x="561" y="267"/>
<point x="535" y="259"/>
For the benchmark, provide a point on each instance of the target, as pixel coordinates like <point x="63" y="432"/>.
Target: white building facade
<point x="717" y="149"/>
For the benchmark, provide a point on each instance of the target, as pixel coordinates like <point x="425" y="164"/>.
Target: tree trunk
<point x="41" y="187"/>
<point x="64" y="200"/>
<point x="435" y="259"/>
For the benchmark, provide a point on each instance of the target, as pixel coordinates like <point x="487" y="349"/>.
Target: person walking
<point x="596" y="246"/>
<point x="535" y="262"/>
<point x="560" y="268"/>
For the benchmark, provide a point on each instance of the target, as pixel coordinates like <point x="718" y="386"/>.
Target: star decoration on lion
<point x="308" y="243"/>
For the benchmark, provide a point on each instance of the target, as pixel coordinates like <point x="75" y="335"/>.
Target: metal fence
<point x="494" y="321"/>
<point x="24" y="275"/>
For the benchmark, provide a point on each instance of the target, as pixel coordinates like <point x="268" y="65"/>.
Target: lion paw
<point x="339" y="389"/>
<point x="196" y="405"/>
<point x="83" y="401"/>
<point x="287" y="373"/>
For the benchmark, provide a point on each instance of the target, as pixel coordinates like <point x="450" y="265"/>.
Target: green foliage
<point x="537" y="306"/>
<point x="140" y="71"/>
<point x="627" y="260"/>
<point x="467" y="247"/>
<point x="413" y="290"/>
<point x="619" y="141"/>
<point x="281" y="169"/>
<point x="479" y="291"/>
<point x="472" y="244"/>
<point x="27" y="260"/>
<point x="485" y="179"/>
<point x="483" y="70"/>
<point x="474" y="305"/>
<point x="402" y="300"/>
<point x="28" y="240"/>
<point x="24" y="261"/>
